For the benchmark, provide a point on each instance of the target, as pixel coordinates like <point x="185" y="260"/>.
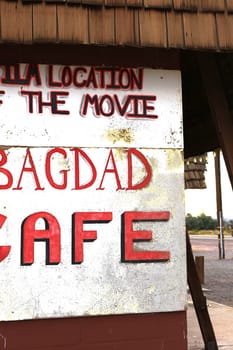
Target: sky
<point x="204" y="201"/>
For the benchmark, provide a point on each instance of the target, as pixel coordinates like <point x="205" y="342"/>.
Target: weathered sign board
<point x="92" y="193"/>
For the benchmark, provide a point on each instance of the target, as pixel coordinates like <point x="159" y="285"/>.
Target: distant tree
<point x="191" y="222"/>
<point x="201" y="222"/>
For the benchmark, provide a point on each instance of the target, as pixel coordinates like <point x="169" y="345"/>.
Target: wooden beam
<point x="217" y="167"/>
<point x="220" y="113"/>
<point x="199" y="301"/>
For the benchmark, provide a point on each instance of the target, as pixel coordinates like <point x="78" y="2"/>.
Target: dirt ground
<point x="218" y="273"/>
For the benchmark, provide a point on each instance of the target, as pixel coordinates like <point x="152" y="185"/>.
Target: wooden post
<point x="199" y="301"/>
<point x="200" y="266"/>
<point x="219" y="205"/>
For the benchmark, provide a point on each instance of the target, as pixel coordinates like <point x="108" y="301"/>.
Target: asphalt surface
<point x="218" y="273"/>
<point x="218" y="289"/>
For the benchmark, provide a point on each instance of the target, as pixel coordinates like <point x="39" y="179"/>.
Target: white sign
<point x="92" y="194"/>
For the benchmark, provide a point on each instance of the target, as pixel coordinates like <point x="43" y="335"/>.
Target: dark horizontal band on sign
<point x="106" y="332"/>
<point x="89" y="55"/>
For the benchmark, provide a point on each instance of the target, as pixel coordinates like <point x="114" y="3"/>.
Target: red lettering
<point x="79" y="235"/>
<point x="66" y="76"/>
<point x="4" y="250"/>
<point x="51" y="82"/>
<point x="53" y="104"/>
<point x="78" y="186"/>
<point x="6" y="172"/>
<point x="91" y="80"/>
<point x="111" y="170"/>
<point x="13" y="74"/>
<point x="63" y="185"/>
<point x="147" y="167"/>
<point x="30" y="169"/>
<point x="124" y="78"/>
<point x="30" y="95"/>
<point x="129" y="236"/>
<point x="133" y="106"/>
<point x="78" y="83"/>
<point x="51" y="235"/>
<point x="141" y="107"/>
<point x="33" y="72"/>
<point x="93" y="101"/>
<point x="106" y="101"/>
<point x="122" y="108"/>
<point x="55" y="101"/>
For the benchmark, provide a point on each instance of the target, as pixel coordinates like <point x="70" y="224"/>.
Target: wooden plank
<point x="28" y="1"/>
<point x="101" y="26"/>
<point x="220" y="113"/>
<point x="73" y="2"/>
<point x="225" y="29"/>
<point x="229" y="5"/>
<point x="212" y="5"/>
<point x="175" y="29"/>
<point x="55" y="1"/>
<point x="125" y="26"/>
<point x="152" y="27"/>
<point x="200" y="30"/>
<point x="92" y="2"/>
<point x="115" y="3"/>
<point x="137" y="29"/>
<point x="72" y="24"/>
<point x="163" y="4"/>
<point x="202" y="5"/>
<point x="44" y="22"/>
<point x="186" y="5"/>
<point x="134" y="3"/>
<point x="16" y="22"/>
<point x="199" y="301"/>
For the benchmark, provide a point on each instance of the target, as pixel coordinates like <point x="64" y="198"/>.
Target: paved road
<point x="218" y="273"/>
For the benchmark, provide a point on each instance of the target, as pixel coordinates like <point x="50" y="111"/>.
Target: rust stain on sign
<point x="117" y="135"/>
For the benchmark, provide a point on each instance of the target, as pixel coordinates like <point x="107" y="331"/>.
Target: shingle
<point x="229" y="5"/>
<point x="225" y="30"/>
<point x="186" y="5"/>
<point x="134" y="3"/>
<point x="200" y="30"/>
<point x="44" y="22"/>
<point x="152" y="26"/>
<point x="175" y="31"/>
<point x="202" y="24"/>
<point x="212" y="5"/>
<point x="194" y="172"/>
<point x="16" y="22"/>
<point x="125" y="30"/>
<point x="162" y="4"/>
<point x="115" y="3"/>
<point x="101" y="26"/>
<point x="72" y="24"/>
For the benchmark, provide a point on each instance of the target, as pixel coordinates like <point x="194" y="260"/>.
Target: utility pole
<point x="219" y="205"/>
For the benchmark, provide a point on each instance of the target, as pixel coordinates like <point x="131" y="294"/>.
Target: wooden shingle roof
<point x="194" y="173"/>
<point x="186" y="24"/>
